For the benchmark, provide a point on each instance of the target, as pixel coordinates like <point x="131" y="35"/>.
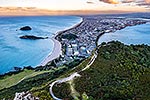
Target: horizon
<point x="32" y="11"/>
<point x="63" y="7"/>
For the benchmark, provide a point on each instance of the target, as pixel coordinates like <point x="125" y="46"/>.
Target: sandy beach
<point x="55" y="53"/>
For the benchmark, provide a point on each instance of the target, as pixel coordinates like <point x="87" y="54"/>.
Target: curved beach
<point x="57" y="50"/>
<point x="55" y="53"/>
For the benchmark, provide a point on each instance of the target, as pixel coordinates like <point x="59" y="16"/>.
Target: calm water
<point x="139" y="34"/>
<point x="16" y="52"/>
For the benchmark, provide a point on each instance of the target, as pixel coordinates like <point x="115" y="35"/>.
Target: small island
<point x="26" y="28"/>
<point x="32" y="37"/>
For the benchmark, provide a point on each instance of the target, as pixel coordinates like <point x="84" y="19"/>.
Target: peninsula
<point x="78" y="45"/>
<point x="79" y="41"/>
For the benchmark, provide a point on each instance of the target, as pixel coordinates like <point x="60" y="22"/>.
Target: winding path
<point x="71" y="77"/>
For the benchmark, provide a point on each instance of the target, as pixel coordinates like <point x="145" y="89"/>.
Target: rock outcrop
<point x="32" y="37"/>
<point x="26" y="28"/>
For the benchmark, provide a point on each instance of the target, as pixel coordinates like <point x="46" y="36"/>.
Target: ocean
<point x="139" y="34"/>
<point x="16" y="52"/>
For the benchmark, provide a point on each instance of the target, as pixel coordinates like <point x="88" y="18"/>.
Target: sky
<point x="102" y="5"/>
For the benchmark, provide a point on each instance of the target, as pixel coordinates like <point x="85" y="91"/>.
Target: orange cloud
<point x="127" y="1"/>
<point x="110" y="1"/>
<point x="147" y="1"/>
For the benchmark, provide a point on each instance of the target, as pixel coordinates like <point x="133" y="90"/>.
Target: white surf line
<point x="54" y="54"/>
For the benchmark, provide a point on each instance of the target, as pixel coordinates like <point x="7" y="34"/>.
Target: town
<point x="79" y="41"/>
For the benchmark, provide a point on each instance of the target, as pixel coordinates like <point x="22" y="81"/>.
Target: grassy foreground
<point x="8" y="81"/>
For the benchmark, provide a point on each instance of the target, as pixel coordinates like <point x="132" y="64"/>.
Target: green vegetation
<point x="120" y="72"/>
<point x="65" y="90"/>
<point x="35" y="84"/>
<point x="69" y="36"/>
<point x="36" y="81"/>
<point x="8" y="81"/>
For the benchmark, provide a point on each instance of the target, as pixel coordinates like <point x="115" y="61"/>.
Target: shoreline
<point x="95" y="39"/>
<point x="57" y="50"/>
<point x="67" y="29"/>
<point x="58" y="44"/>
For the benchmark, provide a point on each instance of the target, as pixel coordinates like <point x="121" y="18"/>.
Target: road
<point x="71" y="77"/>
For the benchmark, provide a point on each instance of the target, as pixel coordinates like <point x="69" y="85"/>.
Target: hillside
<point x="120" y="72"/>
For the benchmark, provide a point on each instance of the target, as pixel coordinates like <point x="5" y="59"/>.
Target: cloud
<point x="145" y="3"/>
<point x="110" y="1"/>
<point x="90" y="2"/>
<point x="128" y="1"/>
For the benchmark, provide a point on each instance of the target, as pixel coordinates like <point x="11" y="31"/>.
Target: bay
<point x="16" y="52"/>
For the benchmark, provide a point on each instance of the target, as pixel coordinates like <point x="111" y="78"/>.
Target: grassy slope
<point x="37" y="82"/>
<point x="8" y="81"/>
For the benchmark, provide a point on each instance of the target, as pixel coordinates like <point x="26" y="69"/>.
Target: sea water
<point x="139" y="34"/>
<point x="16" y="52"/>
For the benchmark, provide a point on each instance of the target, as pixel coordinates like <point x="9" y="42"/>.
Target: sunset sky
<point x="100" y="5"/>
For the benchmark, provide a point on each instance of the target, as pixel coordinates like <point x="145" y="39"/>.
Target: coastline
<point x="69" y="28"/>
<point x="57" y="50"/>
<point x="94" y="39"/>
<point x="54" y="54"/>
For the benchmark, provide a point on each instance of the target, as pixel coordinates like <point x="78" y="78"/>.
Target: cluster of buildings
<point x="87" y="33"/>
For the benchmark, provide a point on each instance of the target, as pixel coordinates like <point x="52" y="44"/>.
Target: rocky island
<point x="32" y="37"/>
<point x="26" y="28"/>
